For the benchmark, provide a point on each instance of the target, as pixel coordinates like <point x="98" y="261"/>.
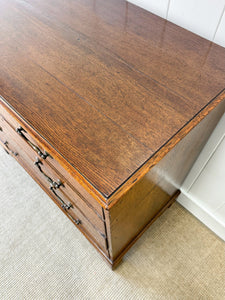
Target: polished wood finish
<point x="118" y="97"/>
<point x="112" y="72"/>
<point x="90" y="223"/>
<point x="153" y="192"/>
<point x="16" y="121"/>
<point x="116" y="261"/>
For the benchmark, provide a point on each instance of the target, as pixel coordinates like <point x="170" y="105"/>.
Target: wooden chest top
<point x="107" y="84"/>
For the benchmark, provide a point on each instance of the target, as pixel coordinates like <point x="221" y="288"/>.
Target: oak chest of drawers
<point x="107" y="107"/>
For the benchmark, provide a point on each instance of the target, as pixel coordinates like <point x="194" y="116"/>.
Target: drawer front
<point x="35" y="146"/>
<point x="64" y="190"/>
<point x="6" y="143"/>
<point x="76" y="209"/>
<point x="31" y="148"/>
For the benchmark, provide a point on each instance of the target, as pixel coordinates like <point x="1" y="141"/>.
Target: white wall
<point x="203" y="17"/>
<point x="203" y="192"/>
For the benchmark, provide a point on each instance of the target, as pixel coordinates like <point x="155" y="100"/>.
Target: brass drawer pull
<point x="55" y="184"/>
<point x="20" y="130"/>
<point x="63" y="204"/>
<point x="76" y="221"/>
<point x="9" y="151"/>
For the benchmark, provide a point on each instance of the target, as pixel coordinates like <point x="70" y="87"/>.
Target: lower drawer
<point x="62" y="190"/>
<point x="75" y="215"/>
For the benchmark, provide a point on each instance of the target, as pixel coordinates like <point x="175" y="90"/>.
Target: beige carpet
<point x="43" y="256"/>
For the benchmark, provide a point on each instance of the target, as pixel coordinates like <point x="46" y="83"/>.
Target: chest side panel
<point x="141" y="205"/>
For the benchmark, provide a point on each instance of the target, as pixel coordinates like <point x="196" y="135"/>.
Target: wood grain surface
<point x="142" y="203"/>
<point x="89" y="223"/>
<point x="107" y="84"/>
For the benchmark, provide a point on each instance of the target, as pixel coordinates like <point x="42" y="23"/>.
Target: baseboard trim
<point x="206" y="217"/>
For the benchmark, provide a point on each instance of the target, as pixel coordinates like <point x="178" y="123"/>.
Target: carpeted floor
<point x="43" y="256"/>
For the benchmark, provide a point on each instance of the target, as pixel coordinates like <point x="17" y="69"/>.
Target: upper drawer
<point x="35" y="149"/>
